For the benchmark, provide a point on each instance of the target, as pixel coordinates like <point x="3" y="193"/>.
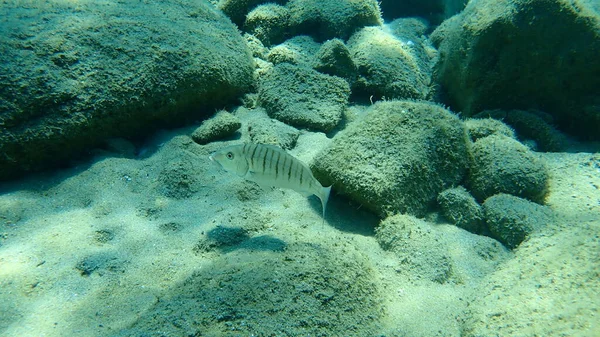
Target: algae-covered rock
<point x="299" y="50"/>
<point x="325" y="20"/>
<point x="265" y="130"/>
<point x="257" y="48"/>
<point x="500" y="164"/>
<point x="387" y="66"/>
<point x="459" y="206"/>
<point x="333" y="58"/>
<point x="434" y="11"/>
<point x="545" y="57"/>
<point x="269" y="23"/>
<point x="96" y="70"/>
<point x="303" y="97"/>
<point x="512" y="219"/>
<point x="531" y="125"/>
<point x="304" y="290"/>
<point x="411" y="239"/>
<point x="237" y="10"/>
<point x="221" y="125"/>
<point x="397" y="158"/>
<point x="478" y="128"/>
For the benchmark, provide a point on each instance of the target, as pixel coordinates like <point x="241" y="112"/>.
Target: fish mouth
<point x="211" y="157"/>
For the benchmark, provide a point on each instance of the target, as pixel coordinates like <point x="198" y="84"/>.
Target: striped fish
<point x="269" y="165"/>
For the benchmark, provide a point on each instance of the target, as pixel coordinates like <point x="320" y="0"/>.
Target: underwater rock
<point x="303" y="97"/>
<point x="269" y="23"/>
<point x="237" y="10"/>
<point x="435" y="11"/>
<point x="94" y="71"/>
<point x="388" y="67"/>
<point x="417" y="245"/>
<point x="305" y="289"/>
<point x="478" y="128"/>
<point x="299" y="50"/>
<point x="326" y="20"/>
<point x="333" y="58"/>
<point x="512" y="219"/>
<point x="397" y="158"/>
<point x="265" y="130"/>
<point x="531" y="125"/>
<point x="223" y="124"/>
<point x="258" y="50"/>
<point x="536" y="63"/>
<point x="500" y="164"/>
<point x="459" y="206"/>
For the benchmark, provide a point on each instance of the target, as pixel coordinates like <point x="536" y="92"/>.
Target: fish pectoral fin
<point x="251" y="175"/>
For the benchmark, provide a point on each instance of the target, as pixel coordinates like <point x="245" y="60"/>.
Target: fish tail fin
<point x="324" y="196"/>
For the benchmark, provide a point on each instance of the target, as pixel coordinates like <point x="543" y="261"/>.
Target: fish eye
<point x="229" y="155"/>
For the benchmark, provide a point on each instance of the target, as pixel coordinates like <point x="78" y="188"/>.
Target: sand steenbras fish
<point x="269" y="165"/>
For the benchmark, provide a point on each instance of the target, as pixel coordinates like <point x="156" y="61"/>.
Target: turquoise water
<point x="460" y="141"/>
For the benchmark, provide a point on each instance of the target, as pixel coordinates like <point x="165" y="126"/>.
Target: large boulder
<point x="397" y="158"/>
<point x="96" y="70"/>
<point x="304" y="290"/>
<point x="507" y="54"/>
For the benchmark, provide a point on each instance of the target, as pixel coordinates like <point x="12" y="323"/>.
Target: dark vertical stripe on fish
<point x="264" y="158"/>
<point x="290" y="170"/>
<point x="253" y="153"/>
<point x="284" y="166"/>
<point x="277" y="165"/>
<point x="301" y="174"/>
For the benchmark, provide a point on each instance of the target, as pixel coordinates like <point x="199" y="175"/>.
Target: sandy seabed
<point x="110" y="247"/>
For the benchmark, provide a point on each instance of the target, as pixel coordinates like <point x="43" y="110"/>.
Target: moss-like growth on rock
<point x="397" y="158"/>
<point x="333" y="58"/>
<point x="220" y="126"/>
<point x="94" y="71"/>
<point x="531" y="126"/>
<point x="500" y="164"/>
<point x="459" y="206"/>
<point x="265" y="130"/>
<point x="512" y="219"/>
<point x="545" y="57"/>
<point x="269" y="23"/>
<point x="326" y="20"/>
<point x="304" y="290"/>
<point x="388" y="67"/>
<point x="303" y="97"/>
<point x="479" y="128"/>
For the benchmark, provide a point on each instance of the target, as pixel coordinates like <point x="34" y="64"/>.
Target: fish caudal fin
<point x="324" y="196"/>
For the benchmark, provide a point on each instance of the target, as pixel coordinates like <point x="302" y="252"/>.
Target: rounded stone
<point x="500" y="164"/>
<point x="512" y="219"/>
